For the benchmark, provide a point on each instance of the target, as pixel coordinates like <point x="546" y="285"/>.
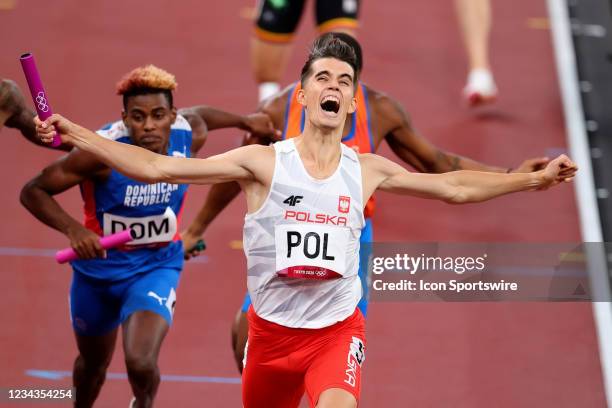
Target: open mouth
<point x="330" y="104"/>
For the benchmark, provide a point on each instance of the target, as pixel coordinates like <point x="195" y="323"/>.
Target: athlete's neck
<point x="319" y="150"/>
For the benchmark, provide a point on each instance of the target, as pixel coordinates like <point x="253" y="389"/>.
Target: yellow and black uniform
<point x="277" y="20"/>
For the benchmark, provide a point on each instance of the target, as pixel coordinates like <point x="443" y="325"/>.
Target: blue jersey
<point x="151" y="210"/>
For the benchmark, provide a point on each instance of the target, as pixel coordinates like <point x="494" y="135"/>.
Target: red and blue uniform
<point x="142" y="275"/>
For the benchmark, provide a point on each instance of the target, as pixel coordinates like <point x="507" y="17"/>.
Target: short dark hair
<point x="352" y="41"/>
<point x="330" y="46"/>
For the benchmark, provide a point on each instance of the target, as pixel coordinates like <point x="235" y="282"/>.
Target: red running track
<point x="425" y="355"/>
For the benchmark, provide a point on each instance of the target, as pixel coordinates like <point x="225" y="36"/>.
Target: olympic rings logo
<point x="321" y="273"/>
<point x="41" y="102"/>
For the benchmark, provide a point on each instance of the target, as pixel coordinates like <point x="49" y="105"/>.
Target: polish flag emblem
<point x="344" y="204"/>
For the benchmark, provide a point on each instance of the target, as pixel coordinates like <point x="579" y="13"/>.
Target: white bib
<point x="311" y="251"/>
<point x="147" y="230"/>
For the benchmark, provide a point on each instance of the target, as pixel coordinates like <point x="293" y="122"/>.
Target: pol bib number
<point x="310" y="251"/>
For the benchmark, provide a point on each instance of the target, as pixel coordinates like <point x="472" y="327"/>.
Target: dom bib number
<point x="147" y="230"/>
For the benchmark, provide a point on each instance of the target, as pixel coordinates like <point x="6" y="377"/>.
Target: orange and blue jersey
<point x="359" y="137"/>
<point x="152" y="211"/>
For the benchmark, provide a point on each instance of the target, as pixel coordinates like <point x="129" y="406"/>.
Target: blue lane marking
<point x="50" y="253"/>
<point x="49" y="375"/>
<point x="60" y="375"/>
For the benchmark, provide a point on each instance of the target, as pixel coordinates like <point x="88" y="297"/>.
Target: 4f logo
<point x="293" y="200"/>
<point x="344" y="204"/>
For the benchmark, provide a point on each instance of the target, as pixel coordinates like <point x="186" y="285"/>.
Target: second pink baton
<point x="107" y="242"/>
<point x="41" y="102"/>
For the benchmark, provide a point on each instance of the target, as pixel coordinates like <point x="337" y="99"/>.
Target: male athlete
<point x="134" y="286"/>
<point x="378" y="117"/>
<point x="306" y="333"/>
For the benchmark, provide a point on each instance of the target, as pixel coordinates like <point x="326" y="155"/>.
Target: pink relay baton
<point x="107" y="242"/>
<point x="41" y="102"/>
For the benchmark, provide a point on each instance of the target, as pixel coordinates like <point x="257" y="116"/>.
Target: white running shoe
<point x="268" y="89"/>
<point x="480" y="88"/>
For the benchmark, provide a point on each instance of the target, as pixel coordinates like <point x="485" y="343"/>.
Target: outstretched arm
<point x="220" y="195"/>
<point x="420" y="153"/>
<point x="143" y="165"/>
<point x="463" y="186"/>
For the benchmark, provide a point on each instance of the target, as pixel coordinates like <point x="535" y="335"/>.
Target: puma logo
<point x="155" y="296"/>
